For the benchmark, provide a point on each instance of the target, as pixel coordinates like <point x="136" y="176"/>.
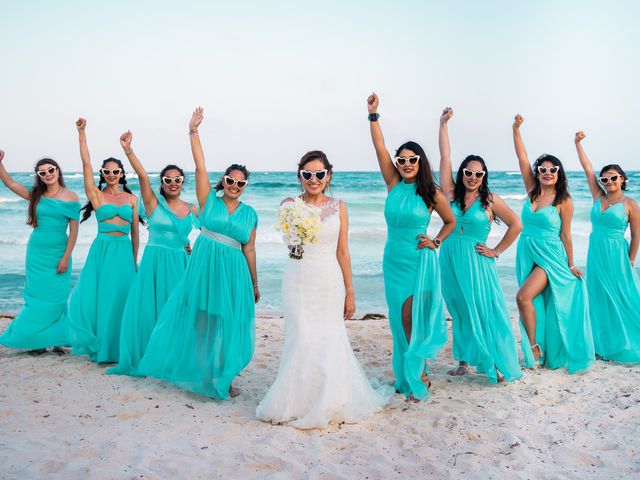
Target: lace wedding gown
<point x="319" y="379"/>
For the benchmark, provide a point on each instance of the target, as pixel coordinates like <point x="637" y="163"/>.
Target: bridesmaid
<point x="52" y="210"/>
<point x="612" y="283"/>
<point x="97" y="301"/>
<point x="170" y="220"/>
<point x="206" y="332"/>
<point x="410" y="263"/>
<point x="552" y="299"/>
<point x="482" y="331"/>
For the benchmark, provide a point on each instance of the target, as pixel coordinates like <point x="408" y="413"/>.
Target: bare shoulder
<point x="286" y="200"/>
<point x="70" y="196"/>
<point x="631" y="204"/>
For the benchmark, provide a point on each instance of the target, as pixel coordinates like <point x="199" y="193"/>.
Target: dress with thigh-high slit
<point x="563" y="326"/>
<point x="409" y="272"/>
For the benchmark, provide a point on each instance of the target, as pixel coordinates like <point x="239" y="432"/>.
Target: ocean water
<point x="364" y="193"/>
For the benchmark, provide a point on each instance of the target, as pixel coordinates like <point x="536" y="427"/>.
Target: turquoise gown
<point x="409" y="272"/>
<point x="482" y="331"/>
<point x="613" y="285"/>
<point x="205" y="334"/>
<point x="98" y="299"/>
<point x="41" y="323"/>
<point x="563" y="326"/>
<point x="161" y="269"/>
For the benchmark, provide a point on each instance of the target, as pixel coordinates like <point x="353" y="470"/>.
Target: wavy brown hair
<point x="39" y="188"/>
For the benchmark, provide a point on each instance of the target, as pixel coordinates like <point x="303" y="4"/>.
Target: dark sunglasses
<point x="48" y="171"/>
<point x="470" y="173"/>
<point x="412" y="160"/>
<point x="230" y="182"/>
<point x="544" y="170"/>
<point x="612" y="178"/>
<point x="106" y="171"/>
<point x="172" y="180"/>
<point x="307" y="174"/>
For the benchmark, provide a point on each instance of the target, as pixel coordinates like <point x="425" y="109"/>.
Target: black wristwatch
<point x="437" y="242"/>
<point x="373" y="117"/>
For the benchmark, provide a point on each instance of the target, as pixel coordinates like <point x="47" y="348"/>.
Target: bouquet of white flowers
<point x="300" y="224"/>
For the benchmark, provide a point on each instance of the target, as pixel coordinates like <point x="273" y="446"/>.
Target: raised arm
<point x="148" y="197"/>
<point x="10" y="183"/>
<point x="446" y="172"/>
<point x="344" y="260"/>
<point x="596" y="191"/>
<point x="388" y="170"/>
<point x="90" y="187"/>
<point x="521" y="152"/>
<point x="502" y="211"/>
<point x="203" y="186"/>
<point x="566" y="214"/>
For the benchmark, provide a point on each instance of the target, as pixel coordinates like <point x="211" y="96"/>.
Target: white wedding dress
<point x="319" y="379"/>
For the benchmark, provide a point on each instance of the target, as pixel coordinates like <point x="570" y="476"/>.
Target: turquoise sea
<point x="364" y="193"/>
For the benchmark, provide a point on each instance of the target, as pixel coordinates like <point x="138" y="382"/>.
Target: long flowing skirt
<point x="563" y="326"/>
<point x="319" y="379"/>
<point x="413" y="273"/>
<point x="482" y="331"/>
<point x="205" y="334"/>
<point x="614" y="299"/>
<point x="160" y="271"/>
<point x="42" y="323"/>
<point x="97" y="301"/>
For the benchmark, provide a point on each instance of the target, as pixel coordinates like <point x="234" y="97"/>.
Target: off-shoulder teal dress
<point x="409" y="272"/>
<point x="205" y="334"/>
<point x="161" y="269"/>
<point x="97" y="301"/>
<point x="563" y="326"/>
<point x="41" y="323"/>
<point x="482" y="331"/>
<point x="613" y="285"/>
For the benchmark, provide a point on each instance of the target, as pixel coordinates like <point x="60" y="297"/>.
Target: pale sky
<point x="277" y="79"/>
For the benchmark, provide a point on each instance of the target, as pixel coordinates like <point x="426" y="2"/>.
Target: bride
<point x="320" y="380"/>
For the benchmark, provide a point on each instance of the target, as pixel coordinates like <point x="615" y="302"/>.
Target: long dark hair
<point x="164" y="171"/>
<point x="231" y="168"/>
<point x="562" y="185"/>
<point x="617" y="168"/>
<point x="316" y="155"/>
<point x="426" y="185"/>
<point x="39" y="188"/>
<point x="484" y="194"/>
<point x="88" y="208"/>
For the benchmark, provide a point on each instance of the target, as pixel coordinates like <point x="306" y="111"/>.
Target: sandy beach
<point x="61" y="417"/>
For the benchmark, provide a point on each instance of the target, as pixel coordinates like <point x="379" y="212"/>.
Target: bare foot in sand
<point x="460" y="370"/>
<point x="233" y="391"/>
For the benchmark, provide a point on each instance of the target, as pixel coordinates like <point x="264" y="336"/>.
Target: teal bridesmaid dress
<point x="97" y="301"/>
<point x="205" y="334"/>
<point x="482" y="332"/>
<point x="161" y="269"/>
<point x="41" y="323"/>
<point x="563" y="326"/>
<point x="409" y="272"/>
<point x="613" y="285"/>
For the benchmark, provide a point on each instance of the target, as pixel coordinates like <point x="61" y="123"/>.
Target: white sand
<point x="60" y="417"/>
